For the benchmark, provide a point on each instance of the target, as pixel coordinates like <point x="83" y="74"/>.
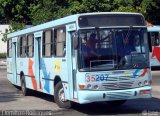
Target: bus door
<point x="37" y="56"/>
<point x="14" y="57"/>
<point x="72" y="56"/>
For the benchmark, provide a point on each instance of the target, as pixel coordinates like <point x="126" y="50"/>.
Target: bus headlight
<point x="81" y="86"/>
<point x="140" y="84"/>
<point x="89" y="86"/>
<point x="146" y="82"/>
<point x="95" y="87"/>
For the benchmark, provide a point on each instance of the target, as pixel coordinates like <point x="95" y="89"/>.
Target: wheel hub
<point x="61" y="95"/>
<point x="23" y="87"/>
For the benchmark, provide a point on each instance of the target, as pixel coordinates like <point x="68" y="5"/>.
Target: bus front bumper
<point x="89" y="96"/>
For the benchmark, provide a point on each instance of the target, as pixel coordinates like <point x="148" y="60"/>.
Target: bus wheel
<point x="116" y="103"/>
<point x="59" y="96"/>
<point x="23" y="87"/>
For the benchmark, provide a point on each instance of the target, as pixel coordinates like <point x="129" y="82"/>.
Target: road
<point x="12" y="99"/>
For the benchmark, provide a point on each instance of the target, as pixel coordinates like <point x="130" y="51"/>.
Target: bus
<point x="56" y="58"/>
<point x="154" y="36"/>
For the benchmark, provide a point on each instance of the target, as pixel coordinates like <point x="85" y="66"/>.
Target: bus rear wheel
<point x="116" y="103"/>
<point x="23" y="87"/>
<point x="59" y="96"/>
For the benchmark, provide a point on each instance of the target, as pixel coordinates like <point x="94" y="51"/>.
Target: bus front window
<point x="132" y="48"/>
<point x="107" y="49"/>
<point x="96" y="50"/>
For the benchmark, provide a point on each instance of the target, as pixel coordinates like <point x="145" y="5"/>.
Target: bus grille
<point x="119" y="95"/>
<point x="118" y="83"/>
<point x="117" y="86"/>
<point x="124" y="78"/>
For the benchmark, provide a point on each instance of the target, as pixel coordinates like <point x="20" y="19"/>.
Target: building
<point x="3" y="45"/>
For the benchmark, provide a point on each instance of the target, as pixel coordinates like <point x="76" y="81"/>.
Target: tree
<point x="19" y="13"/>
<point x="16" y="10"/>
<point x="42" y="12"/>
<point x="16" y="13"/>
<point x="47" y="10"/>
<point x="152" y="11"/>
<point x="130" y="6"/>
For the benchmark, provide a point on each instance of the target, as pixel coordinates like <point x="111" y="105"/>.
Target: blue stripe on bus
<point x="136" y="71"/>
<point x="45" y="74"/>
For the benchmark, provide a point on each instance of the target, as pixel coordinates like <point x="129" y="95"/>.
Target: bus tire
<point x="23" y="87"/>
<point x="116" y="103"/>
<point x="59" y="96"/>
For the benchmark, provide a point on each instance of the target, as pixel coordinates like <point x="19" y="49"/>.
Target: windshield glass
<point x="107" y="49"/>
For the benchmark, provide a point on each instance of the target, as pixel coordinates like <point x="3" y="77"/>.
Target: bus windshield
<point x="108" y="49"/>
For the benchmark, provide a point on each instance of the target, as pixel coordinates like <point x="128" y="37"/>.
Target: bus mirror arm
<point x="75" y="41"/>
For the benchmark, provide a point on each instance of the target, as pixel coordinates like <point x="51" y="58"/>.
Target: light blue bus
<point x="83" y="58"/>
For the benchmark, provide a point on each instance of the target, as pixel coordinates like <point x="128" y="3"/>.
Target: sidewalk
<point x="3" y="67"/>
<point x="3" y="63"/>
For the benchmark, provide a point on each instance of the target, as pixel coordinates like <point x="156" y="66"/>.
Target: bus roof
<point x="58" y="22"/>
<point x="155" y="28"/>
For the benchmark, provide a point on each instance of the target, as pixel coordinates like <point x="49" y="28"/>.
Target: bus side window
<point x="9" y="48"/>
<point x="155" y="38"/>
<point x="60" y="42"/>
<point x="23" y="46"/>
<point x="18" y="47"/>
<point x="30" y="45"/>
<point x="47" y="43"/>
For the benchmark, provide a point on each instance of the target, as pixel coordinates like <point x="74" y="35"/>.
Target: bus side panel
<point x="18" y="83"/>
<point x="9" y="70"/>
<point x="51" y="68"/>
<point x="46" y="75"/>
<point x="60" y="70"/>
<point x="23" y="66"/>
<point x="155" y="56"/>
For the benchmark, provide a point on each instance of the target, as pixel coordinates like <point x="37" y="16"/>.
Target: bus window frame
<point x="55" y="41"/>
<point x="156" y="34"/>
<point x="21" y="46"/>
<point x="27" y="47"/>
<point x="44" y="44"/>
<point x="9" y="46"/>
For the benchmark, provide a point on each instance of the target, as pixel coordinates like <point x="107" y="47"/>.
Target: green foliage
<point x="149" y="8"/>
<point x="41" y="12"/>
<point x="14" y="26"/>
<point x="5" y="35"/>
<point x="152" y="11"/>
<point x="125" y="9"/>
<point x="7" y="31"/>
<point x="122" y="3"/>
<point x="15" y="10"/>
<point x="18" y="13"/>
<point x="63" y="8"/>
<point x="139" y="6"/>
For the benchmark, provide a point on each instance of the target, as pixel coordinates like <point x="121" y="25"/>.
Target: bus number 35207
<point x="96" y="77"/>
